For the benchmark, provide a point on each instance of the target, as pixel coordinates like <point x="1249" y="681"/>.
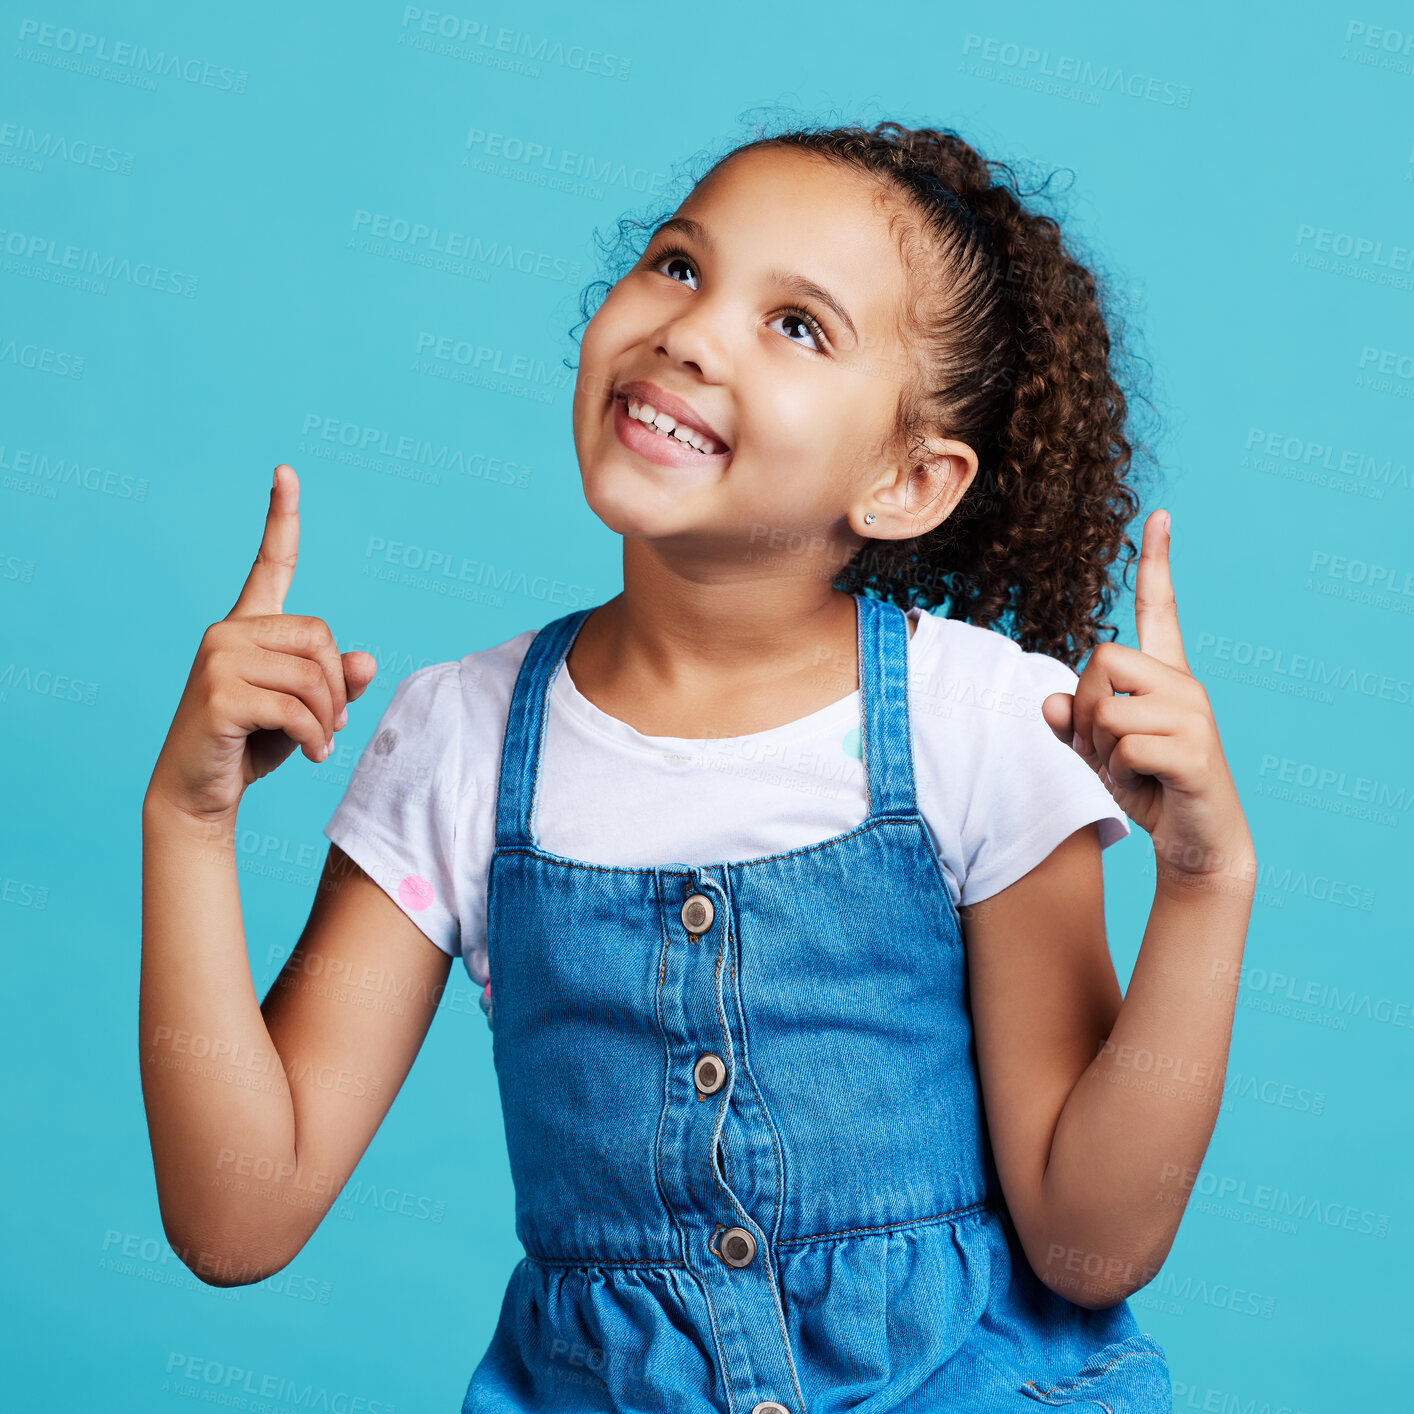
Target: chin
<point x="630" y="505"/>
<point x="626" y="509"/>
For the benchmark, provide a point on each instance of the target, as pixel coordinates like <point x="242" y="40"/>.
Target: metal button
<point x="697" y="913"/>
<point x="769" y="1406"/>
<point x="737" y="1247"/>
<point x="709" y="1073"/>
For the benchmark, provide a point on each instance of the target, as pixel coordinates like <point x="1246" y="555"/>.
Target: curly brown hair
<point x="1014" y="348"/>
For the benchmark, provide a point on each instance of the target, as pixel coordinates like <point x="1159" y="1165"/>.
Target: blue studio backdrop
<point x="353" y="238"/>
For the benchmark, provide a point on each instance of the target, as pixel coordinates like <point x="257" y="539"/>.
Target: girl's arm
<point x="1101" y="1110"/>
<point x="257" y="1114"/>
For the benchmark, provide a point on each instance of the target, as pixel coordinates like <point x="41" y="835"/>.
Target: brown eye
<point x="673" y="259"/>
<point x="804" y="324"/>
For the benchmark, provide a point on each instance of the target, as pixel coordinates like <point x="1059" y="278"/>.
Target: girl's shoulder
<point x="489" y="674"/>
<point x="999" y="790"/>
<point x="441" y="712"/>
<point x="968" y="664"/>
<point x="475" y="682"/>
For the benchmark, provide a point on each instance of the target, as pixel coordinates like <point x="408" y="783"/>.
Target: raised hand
<point x="1157" y="749"/>
<point x="262" y="683"/>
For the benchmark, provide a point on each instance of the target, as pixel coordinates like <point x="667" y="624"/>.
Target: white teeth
<point x="663" y="424"/>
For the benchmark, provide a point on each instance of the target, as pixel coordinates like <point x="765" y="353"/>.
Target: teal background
<point x="139" y="428"/>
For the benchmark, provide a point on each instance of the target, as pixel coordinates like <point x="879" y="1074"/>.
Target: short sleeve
<point x="396" y="820"/>
<point x="1032" y="790"/>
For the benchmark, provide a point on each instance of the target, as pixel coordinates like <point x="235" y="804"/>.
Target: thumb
<point x="1058" y="711"/>
<point x="359" y="670"/>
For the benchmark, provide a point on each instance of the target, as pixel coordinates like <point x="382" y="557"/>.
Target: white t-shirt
<point x="996" y="789"/>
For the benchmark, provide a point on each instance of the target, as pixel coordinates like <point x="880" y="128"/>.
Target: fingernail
<point x="328" y="747"/>
<point x="1080" y="744"/>
<point x="1168" y="522"/>
<point x="342" y="719"/>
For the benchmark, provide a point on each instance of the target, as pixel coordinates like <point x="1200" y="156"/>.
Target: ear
<point x="923" y="483"/>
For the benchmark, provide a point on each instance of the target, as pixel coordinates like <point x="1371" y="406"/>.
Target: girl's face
<point x="798" y="386"/>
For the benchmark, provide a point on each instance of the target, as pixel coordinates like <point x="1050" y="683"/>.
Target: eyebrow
<point x="797" y="284"/>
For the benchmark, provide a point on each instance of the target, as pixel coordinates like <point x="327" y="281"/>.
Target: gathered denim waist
<point x="970" y="1211"/>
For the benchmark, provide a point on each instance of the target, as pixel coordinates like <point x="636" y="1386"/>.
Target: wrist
<point x="1228" y="866"/>
<point x="1232" y="875"/>
<point x="160" y="813"/>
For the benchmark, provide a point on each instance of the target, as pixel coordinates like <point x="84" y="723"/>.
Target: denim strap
<point x="525" y="730"/>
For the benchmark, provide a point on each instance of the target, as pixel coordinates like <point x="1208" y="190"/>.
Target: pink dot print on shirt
<point x="415" y="893"/>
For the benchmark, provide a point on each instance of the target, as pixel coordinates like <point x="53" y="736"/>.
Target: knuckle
<point x="214" y="637"/>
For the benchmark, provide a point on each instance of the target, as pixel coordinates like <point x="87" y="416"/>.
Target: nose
<point x="693" y="338"/>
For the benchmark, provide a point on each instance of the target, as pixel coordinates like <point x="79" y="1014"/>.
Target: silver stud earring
<point x="869" y="519"/>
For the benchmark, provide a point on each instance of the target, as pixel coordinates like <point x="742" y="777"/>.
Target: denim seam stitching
<point x="865" y="706"/>
<point x="932" y="854"/>
<point x="721" y="1114"/>
<point x="589" y="1263"/>
<point x="657" y="1157"/>
<point x="543" y="715"/>
<point x="1089" y="1379"/>
<point x="908" y="713"/>
<point x="886" y="1227"/>
<point x="873" y="823"/>
<point x="766" y="1255"/>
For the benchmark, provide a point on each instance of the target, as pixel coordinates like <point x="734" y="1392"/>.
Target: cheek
<point x="593" y="348"/>
<point x="809" y="433"/>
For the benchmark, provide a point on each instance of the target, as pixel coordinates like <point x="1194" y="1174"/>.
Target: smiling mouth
<point x="663" y="424"/>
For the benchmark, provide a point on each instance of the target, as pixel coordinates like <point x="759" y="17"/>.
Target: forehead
<point x="779" y="208"/>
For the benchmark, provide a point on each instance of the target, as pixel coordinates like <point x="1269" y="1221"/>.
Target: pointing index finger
<point x="269" y="579"/>
<point x="1155" y="610"/>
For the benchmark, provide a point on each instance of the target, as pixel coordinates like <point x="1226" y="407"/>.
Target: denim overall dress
<point x="745" y="1128"/>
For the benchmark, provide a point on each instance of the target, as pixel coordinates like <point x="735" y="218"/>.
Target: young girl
<point x="784" y="894"/>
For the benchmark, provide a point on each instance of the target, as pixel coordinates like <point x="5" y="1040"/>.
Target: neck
<point x="686" y="629"/>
